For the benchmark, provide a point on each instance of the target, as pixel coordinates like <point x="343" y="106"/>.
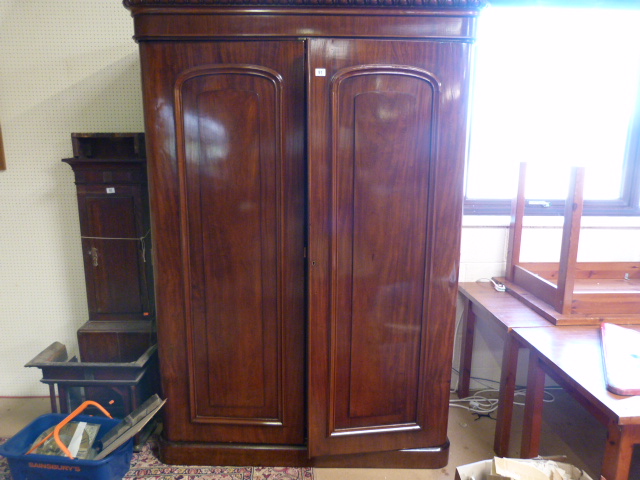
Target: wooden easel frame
<point x="569" y="292"/>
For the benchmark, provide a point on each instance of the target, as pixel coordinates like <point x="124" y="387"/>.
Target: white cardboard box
<point x="481" y="470"/>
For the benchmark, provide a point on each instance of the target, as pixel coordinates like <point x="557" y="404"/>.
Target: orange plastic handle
<point x="71" y="416"/>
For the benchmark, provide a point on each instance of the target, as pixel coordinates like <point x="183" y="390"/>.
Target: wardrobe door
<point x="227" y="174"/>
<point x="387" y="122"/>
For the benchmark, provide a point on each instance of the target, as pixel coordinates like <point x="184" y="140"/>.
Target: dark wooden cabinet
<point x="305" y="171"/>
<point x="111" y="187"/>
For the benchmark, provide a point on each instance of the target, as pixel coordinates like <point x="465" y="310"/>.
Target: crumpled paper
<point x="536" y="469"/>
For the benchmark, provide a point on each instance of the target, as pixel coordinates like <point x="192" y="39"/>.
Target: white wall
<point x="65" y="66"/>
<point x="71" y="66"/>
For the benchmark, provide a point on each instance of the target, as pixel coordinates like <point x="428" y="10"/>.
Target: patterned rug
<point x="146" y="466"/>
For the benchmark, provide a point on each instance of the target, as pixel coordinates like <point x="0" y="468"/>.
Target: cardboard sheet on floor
<point x="514" y="468"/>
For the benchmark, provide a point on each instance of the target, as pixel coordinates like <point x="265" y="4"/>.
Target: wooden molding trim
<point x="443" y="4"/>
<point x="3" y="162"/>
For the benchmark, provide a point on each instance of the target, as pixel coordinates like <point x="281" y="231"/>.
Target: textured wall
<point x="71" y="66"/>
<point x="65" y="66"/>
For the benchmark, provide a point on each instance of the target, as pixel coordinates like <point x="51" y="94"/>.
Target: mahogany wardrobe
<point x="305" y="162"/>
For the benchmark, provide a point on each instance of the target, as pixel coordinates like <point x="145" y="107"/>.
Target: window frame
<point x="628" y="204"/>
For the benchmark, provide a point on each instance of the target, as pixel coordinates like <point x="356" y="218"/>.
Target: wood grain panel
<point x="110" y="221"/>
<point x="220" y="23"/>
<point x="607" y="303"/>
<point x="232" y="215"/>
<point x="384" y="183"/>
<point x="384" y="281"/>
<point x="226" y="174"/>
<point x="230" y="118"/>
<point x="381" y="175"/>
<point x="544" y="289"/>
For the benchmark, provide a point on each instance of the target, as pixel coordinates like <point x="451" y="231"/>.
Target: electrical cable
<point x="482" y="404"/>
<point x="479" y="403"/>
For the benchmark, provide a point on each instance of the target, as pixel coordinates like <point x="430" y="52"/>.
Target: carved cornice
<point x="437" y="4"/>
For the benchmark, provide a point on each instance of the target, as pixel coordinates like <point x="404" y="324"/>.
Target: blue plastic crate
<point x="50" y="467"/>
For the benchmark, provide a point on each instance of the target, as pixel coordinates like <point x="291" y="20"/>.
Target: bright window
<point x="555" y="87"/>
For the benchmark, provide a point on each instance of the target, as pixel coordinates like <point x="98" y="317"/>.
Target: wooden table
<point x="482" y="301"/>
<point x="572" y="357"/>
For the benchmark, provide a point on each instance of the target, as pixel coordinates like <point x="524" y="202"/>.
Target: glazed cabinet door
<point x="387" y="139"/>
<point x="226" y="164"/>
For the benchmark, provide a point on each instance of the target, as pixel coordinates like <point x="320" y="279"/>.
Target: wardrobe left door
<point x="225" y="128"/>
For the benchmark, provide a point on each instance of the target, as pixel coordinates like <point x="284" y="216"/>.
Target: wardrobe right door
<point x="387" y="140"/>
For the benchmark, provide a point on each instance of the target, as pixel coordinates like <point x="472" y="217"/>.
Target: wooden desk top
<point x="574" y="354"/>
<point x="508" y="312"/>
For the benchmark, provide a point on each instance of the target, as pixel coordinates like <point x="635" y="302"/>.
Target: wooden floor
<point x="568" y="430"/>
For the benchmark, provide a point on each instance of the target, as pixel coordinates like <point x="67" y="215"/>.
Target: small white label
<point x="321" y="72"/>
<point x="111" y="190"/>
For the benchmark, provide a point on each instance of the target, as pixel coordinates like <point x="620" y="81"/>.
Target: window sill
<point x="531" y="221"/>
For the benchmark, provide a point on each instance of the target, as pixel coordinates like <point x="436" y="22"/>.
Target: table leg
<point x="619" y="450"/>
<point x="505" y="397"/>
<point x="52" y="398"/>
<point x="63" y="398"/>
<point x="133" y="393"/>
<point x="127" y="398"/>
<point x="534" y="403"/>
<point x="468" y="329"/>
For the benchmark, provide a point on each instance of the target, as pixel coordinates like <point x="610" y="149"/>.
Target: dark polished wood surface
<point x="183" y="453"/>
<point x="115" y="340"/>
<point x="264" y="23"/>
<point x="444" y="4"/>
<point x="360" y="177"/>
<point x="114" y="217"/>
<point x="383" y="241"/>
<point x="111" y="287"/>
<point x="229" y="208"/>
